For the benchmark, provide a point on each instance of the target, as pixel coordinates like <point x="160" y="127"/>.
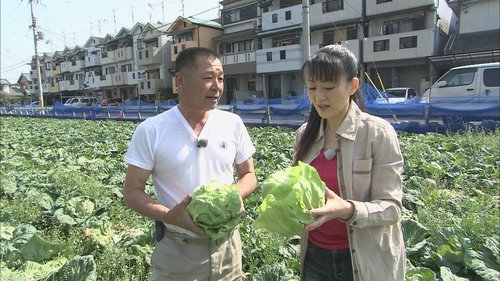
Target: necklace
<point x="330" y="153"/>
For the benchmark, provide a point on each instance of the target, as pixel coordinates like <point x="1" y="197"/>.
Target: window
<point x="229" y="48"/>
<point x="146" y="53"/>
<point x="140" y="54"/>
<point x="390" y="27"/>
<point x="110" y="70"/>
<point x="383" y="1"/>
<point x="408" y="42"/>
<point x="381" y="45"/>
<point x="269" y="56"/>
<point x="288" y="15"/>
<point x="459" y="77"/>
<point x="240" y="14"/>
<point x="149" y="84"/>
<point x="282" y="55"/>
<point x="275" y="18"/>
<point x="352" y="33"/>
<point x="491" y="77"/>
<point x="251" y="85"/>
<point x="332" y="5"/>
<point x="328" y="37"/>
<point x="142" y="85"/>
<point x="175" y="50"/>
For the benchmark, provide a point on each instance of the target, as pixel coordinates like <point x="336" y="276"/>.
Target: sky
<point x="72" y="22"/>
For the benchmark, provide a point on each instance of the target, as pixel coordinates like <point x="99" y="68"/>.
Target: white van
<point x="81" y="101"/>
<point x="469" y="93"/>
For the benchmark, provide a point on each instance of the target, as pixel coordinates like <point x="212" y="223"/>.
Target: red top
<point x="332" y="234"/>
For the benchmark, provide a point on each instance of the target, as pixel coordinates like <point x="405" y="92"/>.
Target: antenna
<point x="182" y="8"/>
<point x="162" y="12"/>
<point x="114" y="19"/>
<point x="132" y="11"/>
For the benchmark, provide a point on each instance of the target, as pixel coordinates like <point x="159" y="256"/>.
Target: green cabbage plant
<point x="216" y="208"/>
<point x="288" y="195"/>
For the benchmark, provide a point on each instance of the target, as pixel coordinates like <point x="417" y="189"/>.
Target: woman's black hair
<point x="330" y="63"/>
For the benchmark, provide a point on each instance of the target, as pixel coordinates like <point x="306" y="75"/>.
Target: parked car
<point x="110" y="102"/>
<point x="466" y="93"/>
<point x="81" y="101"/>
<point x="398" y="95"/>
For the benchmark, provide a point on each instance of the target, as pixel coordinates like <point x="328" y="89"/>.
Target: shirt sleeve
<point x="141" y="148"/>
<point x="245" y="147"/>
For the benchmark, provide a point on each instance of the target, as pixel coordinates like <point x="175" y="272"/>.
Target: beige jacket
<point x="369" y="172"/>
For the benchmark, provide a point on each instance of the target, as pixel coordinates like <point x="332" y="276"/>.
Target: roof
<point x="196" y="21"/>
<point x="475" y="41"/>
<point x="480" y="65"/>
<point x="4" y="82"/>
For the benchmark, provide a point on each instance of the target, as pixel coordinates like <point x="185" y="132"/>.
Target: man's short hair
<point x="187" y="57"/>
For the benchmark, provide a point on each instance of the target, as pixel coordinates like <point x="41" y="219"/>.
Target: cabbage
<point x="216" y="208"/>
<point x="288" y="195"/>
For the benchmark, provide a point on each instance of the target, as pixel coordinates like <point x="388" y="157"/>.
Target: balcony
<point x="322" y="14"/>
<point x="238" y="58"/>
<point x="179" y="47"/>
<point x="46" y="87"/>
<point x="279" y="58"/>
<point x="75" y="66"/>
<point x="123" y="54"/>
<point x="53" y="87"/>
<point x="372" y="8"/>
<point x="149" y="56"/>
<point x="93" y="60"/>
<point x="64" y="85"/>
<point x="124" y="78"/>
<point x="33" y="74"/>
<point x="56" y="70"/>
<point x="107" y="57"/>
<point x="282" y="18"/>
<point x="75" y="85"/>
<point x="92" y="82"/>
<point x="150" y="86"/>
<point x="65" y="65"/>
<point x="352" y="45"/>
<point x="106" y="80"/>
<point x="405" y="45"/>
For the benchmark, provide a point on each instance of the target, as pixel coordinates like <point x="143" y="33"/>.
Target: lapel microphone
<point x="202" y="143"/>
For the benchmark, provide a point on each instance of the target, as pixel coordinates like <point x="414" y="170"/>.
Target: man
<point x="182" y="148"/>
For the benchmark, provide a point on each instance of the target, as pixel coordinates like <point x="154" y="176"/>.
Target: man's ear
<point x="179" y="79"/>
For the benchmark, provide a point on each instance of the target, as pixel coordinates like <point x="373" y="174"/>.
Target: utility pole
<point x="306" y="40"/>
<point x="37" y="36"/>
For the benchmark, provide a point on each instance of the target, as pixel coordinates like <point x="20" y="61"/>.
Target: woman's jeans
<point x="327" y="265"/>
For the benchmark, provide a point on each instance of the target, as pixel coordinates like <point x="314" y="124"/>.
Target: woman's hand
<point x="335" y="207"/>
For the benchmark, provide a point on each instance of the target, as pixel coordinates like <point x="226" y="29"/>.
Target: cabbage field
<point x="63" y="216"/>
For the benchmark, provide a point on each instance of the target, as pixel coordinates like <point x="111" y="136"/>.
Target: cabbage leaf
<point x="216" y="208"/>
<point x="288" y="195"/>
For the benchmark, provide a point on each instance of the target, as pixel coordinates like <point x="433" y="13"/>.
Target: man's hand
<point x="179" y="216"/>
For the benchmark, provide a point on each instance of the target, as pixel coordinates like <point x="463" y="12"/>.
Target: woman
<point x="357" y="234"/>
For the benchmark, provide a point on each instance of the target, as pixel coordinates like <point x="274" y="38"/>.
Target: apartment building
<point x="237" y="48"/>
<point x="191" y="32"/>
<point x="402" y="34"/>
<point x="477" y="39"/>
<point x="392" y="38"/>
<point x="153" y="57"/>
<point x="261" y="46"/>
